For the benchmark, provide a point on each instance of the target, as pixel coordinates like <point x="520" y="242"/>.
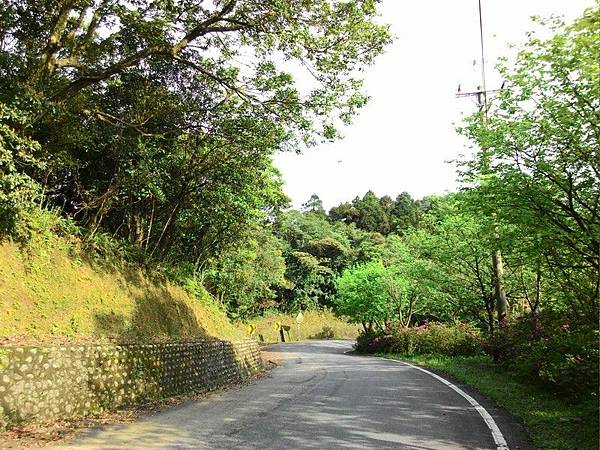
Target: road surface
<point x="320" y="398"/>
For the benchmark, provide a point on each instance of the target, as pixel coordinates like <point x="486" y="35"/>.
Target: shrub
<point x="316" y="325"/>
<point x="405" y="341"/>
<point x="371" y="342"/>
<point x="551" y="351"/>
<point x="325" y="333"/>
<point x="567" y="363"/>
<point x="363" y="340"/>
<point x="451" y="340"/>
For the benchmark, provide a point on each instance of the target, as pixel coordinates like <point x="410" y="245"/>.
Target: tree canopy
<point x="156" y="121"/>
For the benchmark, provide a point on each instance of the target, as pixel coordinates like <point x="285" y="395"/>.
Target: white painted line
<point x="487" y="418"/>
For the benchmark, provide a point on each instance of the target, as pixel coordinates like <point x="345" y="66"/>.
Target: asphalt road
<point x="320" y="398"/>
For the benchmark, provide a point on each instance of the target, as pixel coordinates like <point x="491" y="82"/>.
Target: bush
<point x="316" y="325"/>
<point x="325" y="333"/>
<point x="451" y="340"/>
<point x="372" y="342"/>
<point x="567" y="363"/>
<point x="550" y="350"/>
<point x="363" y="340"/>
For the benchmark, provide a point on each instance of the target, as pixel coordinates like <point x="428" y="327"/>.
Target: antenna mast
<point x="483" y="91"/>
<point x="497" y="261"/>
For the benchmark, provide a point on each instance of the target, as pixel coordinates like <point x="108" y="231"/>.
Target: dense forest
<point x="143" y="130"/>
<point x="147" y="129"/>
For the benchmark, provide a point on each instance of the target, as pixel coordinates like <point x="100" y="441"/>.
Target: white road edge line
<point x="487" y="418"/>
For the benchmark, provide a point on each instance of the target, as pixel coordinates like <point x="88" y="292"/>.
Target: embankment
<point x="83" y="334"/>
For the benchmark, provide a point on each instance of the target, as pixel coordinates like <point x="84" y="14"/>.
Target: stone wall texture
<point x="47" y="383"/>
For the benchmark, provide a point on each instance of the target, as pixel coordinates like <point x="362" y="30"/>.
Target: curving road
<point x="320" y="398"/>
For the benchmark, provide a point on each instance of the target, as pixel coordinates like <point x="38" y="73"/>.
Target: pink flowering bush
<point x="558" y="354"/>
<point x="452" y="340"/>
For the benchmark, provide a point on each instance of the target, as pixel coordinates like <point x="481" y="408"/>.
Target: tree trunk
<point x="501" y="305"/>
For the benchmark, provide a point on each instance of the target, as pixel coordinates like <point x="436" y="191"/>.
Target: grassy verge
<point x="51" y="291"/>
<point x="552" y="421"/>
<point x="316" y="325"/>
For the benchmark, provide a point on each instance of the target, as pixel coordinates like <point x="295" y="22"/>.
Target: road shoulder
<point x="512" y="428"/>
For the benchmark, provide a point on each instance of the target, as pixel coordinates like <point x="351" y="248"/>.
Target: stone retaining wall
<point x="46" y="383"/>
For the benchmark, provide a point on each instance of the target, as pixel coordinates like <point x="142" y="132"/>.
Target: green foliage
<point x="246" y="278"/>
<point x="314" y="205"/>
<point x="315" y="251"/>
<point x="157" y="122"/>
<point x="457" y="246"/>
<point x="551" y="351"/>
<point x="362" y="295"/>
<point x="538" y="166"/>
<point x="18" y="190"/>
<point x="382" y="215"/>
<point x="437" y="338"/>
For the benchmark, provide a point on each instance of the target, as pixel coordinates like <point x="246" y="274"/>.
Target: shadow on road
<point x="319" y="399"/>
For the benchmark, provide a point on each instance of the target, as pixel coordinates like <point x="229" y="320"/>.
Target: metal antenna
<point x="482" y="61"/>
<point x="497" y="261"/>
<point x="481" y="93"/>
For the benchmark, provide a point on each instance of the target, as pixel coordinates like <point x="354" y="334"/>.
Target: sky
<point x="405" y="138"/>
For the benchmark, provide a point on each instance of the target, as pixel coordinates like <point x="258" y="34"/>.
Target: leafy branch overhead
<point x="241" y="49"/>
<point x="157" y="120"/>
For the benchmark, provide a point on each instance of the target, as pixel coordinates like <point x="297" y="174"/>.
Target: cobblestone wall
<point x="45" y="383"/>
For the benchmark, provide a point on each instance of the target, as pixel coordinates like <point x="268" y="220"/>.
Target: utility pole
<point x="481" y="95"/>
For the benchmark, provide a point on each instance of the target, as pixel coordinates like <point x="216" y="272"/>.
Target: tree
<point x="458" y="244"/>
<point x="314" y="205"/>
<point x="413" y="281"/>
<point x="362" y="295"/>
<point x="315" y="251"/>
<point x="543" y="144"/>
<point x="157" y="121"/>
<point x="62" y="51"/>
<point x="406" y="212"/>
<point x="344" y="212"/>
<point x="381" y="215"/>
<point x="372" y="216"/>
<point x="246" y="279"/>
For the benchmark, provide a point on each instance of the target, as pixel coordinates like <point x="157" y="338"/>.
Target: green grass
<point x="51" y="291"/>
<point x="553" y="422"/>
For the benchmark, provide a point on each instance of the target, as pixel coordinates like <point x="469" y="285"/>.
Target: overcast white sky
<point x="403" y="138"/>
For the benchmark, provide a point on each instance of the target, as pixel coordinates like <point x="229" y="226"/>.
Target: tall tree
<point x="156" y="121"/>
<point x="543" y="141"/>
<point x="314" y="205"/>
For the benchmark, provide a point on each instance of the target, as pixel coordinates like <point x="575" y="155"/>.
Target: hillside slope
<point x="50" y="291"/>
